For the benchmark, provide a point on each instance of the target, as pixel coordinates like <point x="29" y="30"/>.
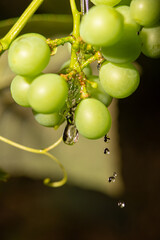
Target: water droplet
<point x="114" y="174"/>
<point x="111" y="179"/>
<point x="121" y="204"/>
<point x="70" y="135"/>
<point x="106" y="151"/>
<point x="106" y="138"/>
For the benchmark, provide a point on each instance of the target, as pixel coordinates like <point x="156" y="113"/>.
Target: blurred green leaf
<point x="45" y="24"/>
<point x="3" y="176"/>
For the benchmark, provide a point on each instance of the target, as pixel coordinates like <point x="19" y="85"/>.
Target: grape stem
<point x="44" y="151"/>
<point x="19" y="25"/>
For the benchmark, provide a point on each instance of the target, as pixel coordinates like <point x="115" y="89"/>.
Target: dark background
<point x="29" y="210"/>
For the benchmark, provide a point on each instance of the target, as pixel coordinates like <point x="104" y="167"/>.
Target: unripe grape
<point x="127" y="49"/>
<point x="19" y="89"/>
<point x="145" y="12"/>
<point x="28" y="55"/>
<point x="119" y="80"/>
<point x="92" y="118"/>
<point x="151" y="41"/>
<point x="48" y="120"/>
<point x="129" y="22"/>
<point x="48" y="93"/>
<point x="102" y="26"/>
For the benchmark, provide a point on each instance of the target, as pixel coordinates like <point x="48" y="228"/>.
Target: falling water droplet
<point x="106" y="151"/>
<point x="121" y="204"/>
<point x="114" y="174"/>
<point x="111" y="179"/>
<point x="70" y="135"/>
<point x="106" y="138"/>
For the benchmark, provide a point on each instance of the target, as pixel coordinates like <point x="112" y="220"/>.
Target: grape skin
<point x="48" y="93"/>
<point x="102" y="26"/>
<point x="92" y="118"/>
<point x="48" y="120"/>
<point x="145" y="12"/>
<point x="28" y="55"/>
<point x="119" y="80"/>
<point x="151" y="41"/>
<point x="19" y="90"/>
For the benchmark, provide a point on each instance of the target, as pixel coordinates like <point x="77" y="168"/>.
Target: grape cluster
<point x="112" y="33"/>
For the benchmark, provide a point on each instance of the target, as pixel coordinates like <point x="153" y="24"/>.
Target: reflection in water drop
<point x="106" y="151"/>
<point x="121" y="204"/>
<point x="70" y="135"/>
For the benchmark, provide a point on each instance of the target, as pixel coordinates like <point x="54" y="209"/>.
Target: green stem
<point x="76" y="25"/>
<point x="96" y="56"/>
<point x="47" y="181"/>
<point x="19" y="25"/>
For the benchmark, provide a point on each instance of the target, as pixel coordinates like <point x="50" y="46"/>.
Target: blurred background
<point x="86" y="208"/>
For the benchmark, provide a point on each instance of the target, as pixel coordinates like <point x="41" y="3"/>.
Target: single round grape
<point x="98" y="92"/>
<point x="48" y="93"/>
<point x="119" y="80"/>
<point x="19" y="89"/>
<point x="129" y="22"/>
<point x="28" y="55"/>
<point x="92" y="118"/>
<point x="127" y="49"/>
<point x="48" y="120"/>
<point x="145" y="12"/>
<point x="107" y="2"/>
<point x="87" y="70"/>
<point x="151" y="41"/>
<point x="101" y="26"/>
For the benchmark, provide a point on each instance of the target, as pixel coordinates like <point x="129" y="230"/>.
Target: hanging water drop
<point x="106" y="151"/>
<point x="70" y="135"/>
<point x="121" y="204"/>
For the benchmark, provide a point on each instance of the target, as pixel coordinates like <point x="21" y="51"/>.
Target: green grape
<point x="127" y="49"/>
<point x="151" y="41"/>
<point x="98" y="92"/>
<point x="28" y="55"/>
<point x="107" y="2"/>
<point x="92" y="118"/>
<point x="102" y="26"/>
<point x="19" y="89"/>
<point x="128" y="20"/>
<point x="48" y="120"/>
<point x="119" y="80"/>
<point x="145" y="12"/>
<point x="48" y="93"/>
<point x="87" y="70"/>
